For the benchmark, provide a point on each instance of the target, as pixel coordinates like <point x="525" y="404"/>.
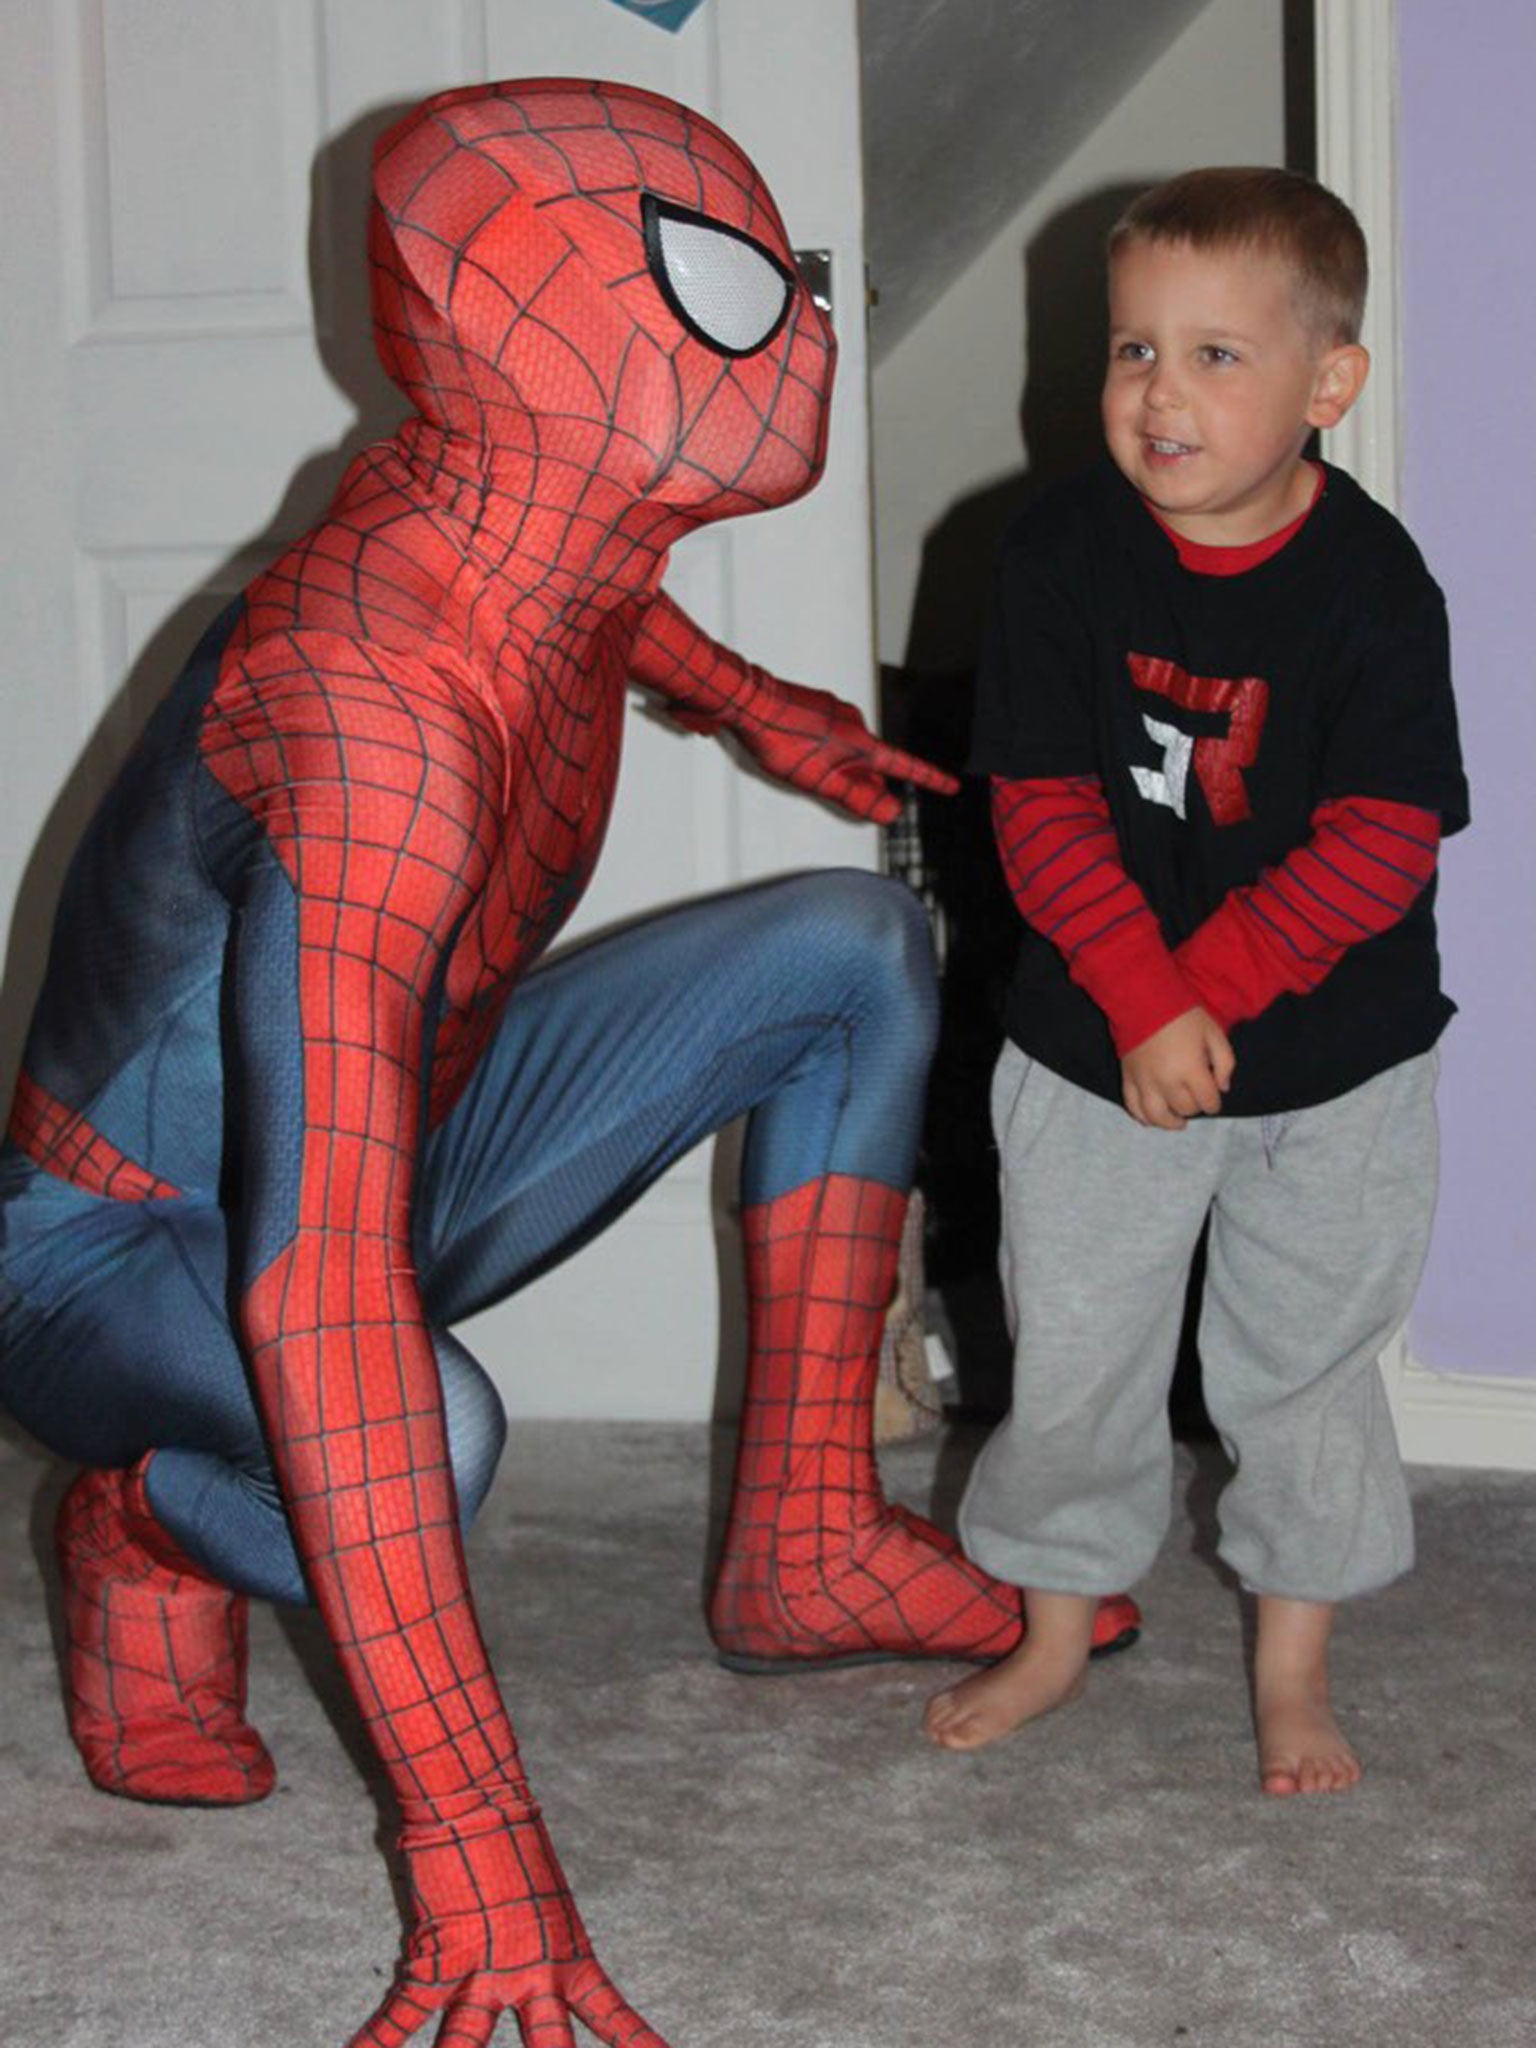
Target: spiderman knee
<point x="887" y="955"/>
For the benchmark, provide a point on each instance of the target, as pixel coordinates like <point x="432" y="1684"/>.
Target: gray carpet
<point x="785" y="1861"/>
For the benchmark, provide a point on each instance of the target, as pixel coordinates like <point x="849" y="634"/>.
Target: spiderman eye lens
<point x="728" y="291"/>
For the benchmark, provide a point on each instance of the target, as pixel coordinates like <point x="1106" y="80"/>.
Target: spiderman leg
<point x="115" y="1351"/>
<point x="806" y="1002"/>
<point x="155" y="1647"/>
<point x="817" y="1570"/>
<point x="810" y="1004"/>
<point x="155" y="1656"/>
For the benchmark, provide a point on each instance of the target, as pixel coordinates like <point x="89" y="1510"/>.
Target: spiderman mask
<point x="589" y="271"/>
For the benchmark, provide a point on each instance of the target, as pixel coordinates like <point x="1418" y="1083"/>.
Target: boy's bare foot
<point x="997" y="1702"/>
<point x="1301" y="1746"/>
<point x="1048" y="1670"/>
<point x="1302" y="1749"/>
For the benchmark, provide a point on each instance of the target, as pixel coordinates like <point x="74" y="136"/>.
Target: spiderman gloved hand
<point x="817" y="742"/>
<point x="494" y="1929"/>
<point x="806" y="738"/>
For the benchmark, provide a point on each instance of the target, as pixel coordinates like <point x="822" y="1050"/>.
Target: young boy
<point x="1216" y="711"/>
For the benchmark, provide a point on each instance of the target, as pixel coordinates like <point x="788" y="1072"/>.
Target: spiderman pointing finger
<point x="297" y="1098"/>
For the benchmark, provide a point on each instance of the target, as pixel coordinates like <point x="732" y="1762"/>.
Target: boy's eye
<point x="1133" y="352"/>
<point x="1213" y="353"/>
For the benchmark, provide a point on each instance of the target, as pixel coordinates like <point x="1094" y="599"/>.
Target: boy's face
<point x="1214" y="383"/>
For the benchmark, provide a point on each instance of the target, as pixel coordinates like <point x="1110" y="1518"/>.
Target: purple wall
<point x="1467" y="157"/>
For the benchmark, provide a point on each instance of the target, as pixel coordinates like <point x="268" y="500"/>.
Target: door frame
<point x="1356" y="85"/>
<point x="1461" y="1419"/>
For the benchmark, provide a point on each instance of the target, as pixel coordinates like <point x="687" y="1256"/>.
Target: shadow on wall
<point x="928" y="704"/>
<point x="340" y="184"/>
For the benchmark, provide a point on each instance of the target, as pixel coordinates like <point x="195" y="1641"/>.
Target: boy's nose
<point x="1163" y="393"/>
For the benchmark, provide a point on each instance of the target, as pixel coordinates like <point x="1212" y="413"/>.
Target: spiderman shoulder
<point x="318" y="732"/>
<point x="382" y="565"/>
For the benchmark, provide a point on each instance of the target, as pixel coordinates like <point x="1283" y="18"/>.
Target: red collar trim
<point x="1208" y="560"/>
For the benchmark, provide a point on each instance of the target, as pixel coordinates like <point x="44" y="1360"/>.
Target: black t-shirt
<point x="1218" y="713"/>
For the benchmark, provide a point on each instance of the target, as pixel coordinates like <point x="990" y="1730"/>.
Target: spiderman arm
<point x="807" y="738"/>
<point x="378" y="806"/>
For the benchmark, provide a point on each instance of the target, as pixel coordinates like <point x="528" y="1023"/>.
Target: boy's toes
<point x="1325" y="1773"/>
<point x="1338" y="1773"/>
<point x="940" y="1715"/>
<point x="953" y="1722"/>
<point x="959" y="1731"/>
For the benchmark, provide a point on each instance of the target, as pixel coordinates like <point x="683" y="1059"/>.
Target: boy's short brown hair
<point x="1280" y="212"/>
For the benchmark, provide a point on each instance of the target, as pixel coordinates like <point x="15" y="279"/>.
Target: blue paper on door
<point x="665" y="13"/>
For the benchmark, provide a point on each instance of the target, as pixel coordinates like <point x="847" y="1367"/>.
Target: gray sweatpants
<point x="1319" y="1225"/>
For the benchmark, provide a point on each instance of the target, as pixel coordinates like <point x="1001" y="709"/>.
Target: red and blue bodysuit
<point x="297" y="1097"/>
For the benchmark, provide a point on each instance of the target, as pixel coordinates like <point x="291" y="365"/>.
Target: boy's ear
<point x="1340" y="379"/>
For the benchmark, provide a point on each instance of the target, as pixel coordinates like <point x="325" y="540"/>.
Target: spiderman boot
<point x="156" y="1656"/>
<point x="818" y="1570"/>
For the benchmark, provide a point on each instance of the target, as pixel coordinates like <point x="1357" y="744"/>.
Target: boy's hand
<point x="1179" y="1072"/>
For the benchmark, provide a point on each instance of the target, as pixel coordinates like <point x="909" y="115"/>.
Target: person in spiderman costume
<point x="279" y="1126"/>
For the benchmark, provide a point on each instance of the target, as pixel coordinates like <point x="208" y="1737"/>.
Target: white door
<point x="187" y="367"/>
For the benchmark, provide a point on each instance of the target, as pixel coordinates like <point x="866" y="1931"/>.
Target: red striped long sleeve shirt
<point x="1356" y="875"/>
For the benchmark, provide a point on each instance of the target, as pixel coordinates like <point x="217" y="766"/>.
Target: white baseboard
<point x="1459" y="1418"/>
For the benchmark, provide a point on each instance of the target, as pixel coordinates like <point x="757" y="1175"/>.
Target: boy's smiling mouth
<point x="1159" y="445"/>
